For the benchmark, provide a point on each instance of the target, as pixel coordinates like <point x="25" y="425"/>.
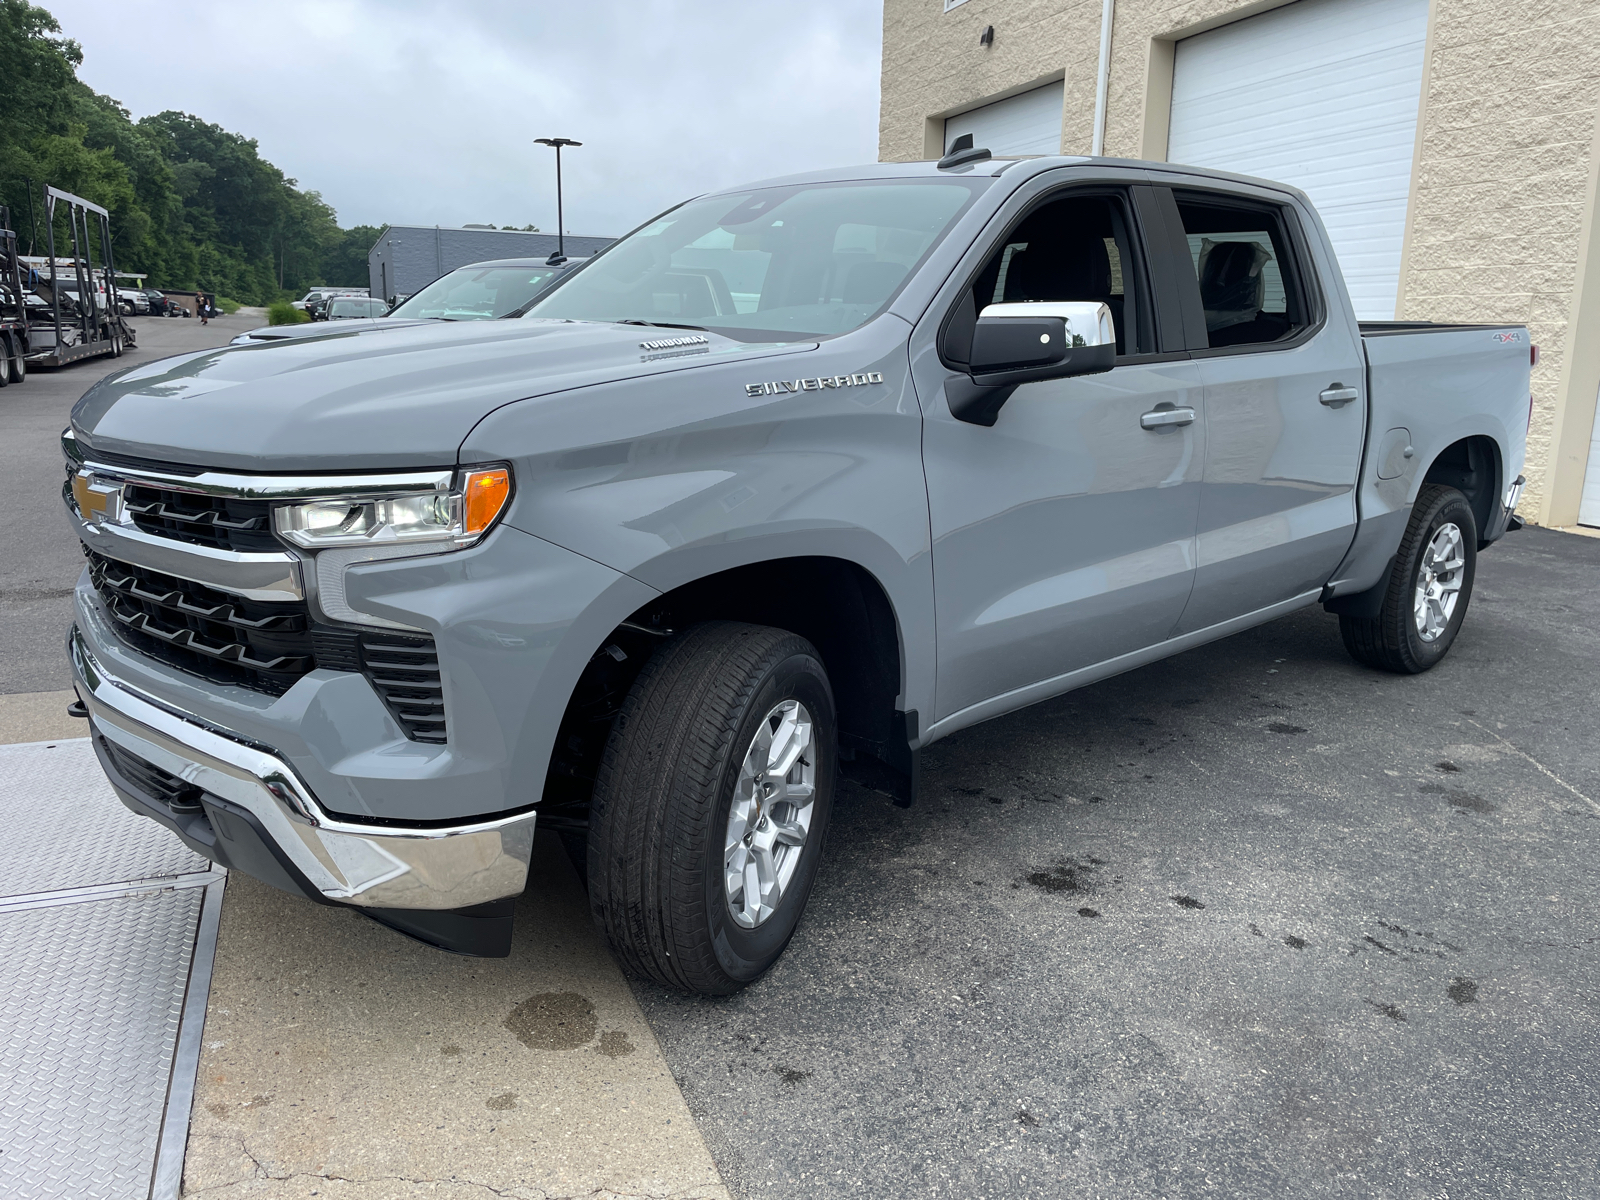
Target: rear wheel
<point x="1429" y="588"/>
<point x="18" y="367"/>
<point x="711" y="806"/>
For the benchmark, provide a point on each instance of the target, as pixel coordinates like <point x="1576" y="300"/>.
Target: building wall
<point x="1503" y="185"/>
<point x="416" y="255"/>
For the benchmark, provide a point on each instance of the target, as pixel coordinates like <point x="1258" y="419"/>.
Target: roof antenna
<point x="961" y="153"/>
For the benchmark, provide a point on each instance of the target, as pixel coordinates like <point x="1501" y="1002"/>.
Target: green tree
<point x="190" y="202"/>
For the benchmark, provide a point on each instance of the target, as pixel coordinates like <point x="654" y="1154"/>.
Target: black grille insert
<point x="258" y="644"/>
<point x="404" y="670"/>
<point x="267" y="645"/>
<point x="150" y="780"/>
<point x="220" y="522"/>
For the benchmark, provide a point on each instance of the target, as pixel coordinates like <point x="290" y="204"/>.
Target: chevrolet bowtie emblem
<point x="97" y="499"/>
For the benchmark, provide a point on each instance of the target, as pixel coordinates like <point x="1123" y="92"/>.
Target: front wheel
<point x="1429" y="588"/>
<point x="711" y="806"/>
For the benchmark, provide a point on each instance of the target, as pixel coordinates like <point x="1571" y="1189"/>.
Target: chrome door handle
<point x="1337" y="395"/>
<point x="1162" y="418"/>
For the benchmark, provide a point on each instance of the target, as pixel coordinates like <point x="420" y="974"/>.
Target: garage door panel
<point x="1026" y="124"/>
<point x="1322" y="94"/>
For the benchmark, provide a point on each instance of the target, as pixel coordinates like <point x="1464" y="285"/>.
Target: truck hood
<point x="277" y="333"/>
<point x="385" y="395"/>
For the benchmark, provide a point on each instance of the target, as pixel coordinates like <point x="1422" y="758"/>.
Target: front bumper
<point x="391" y="866"/>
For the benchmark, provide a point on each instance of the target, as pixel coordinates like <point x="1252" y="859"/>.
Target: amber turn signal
<point x="486" y="494"/>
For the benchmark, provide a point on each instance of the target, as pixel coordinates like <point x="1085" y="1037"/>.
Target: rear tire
<point x="677" y="779"/>
<point x="18" y="366"/>
<point x="1429" y="588"/>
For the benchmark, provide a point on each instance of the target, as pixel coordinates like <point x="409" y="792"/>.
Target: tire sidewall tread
<point x="1390" y="640"/>
<point x="665" y="781"/>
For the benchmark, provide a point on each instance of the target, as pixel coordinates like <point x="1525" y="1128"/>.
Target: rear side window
<point x="1246" y="270"/>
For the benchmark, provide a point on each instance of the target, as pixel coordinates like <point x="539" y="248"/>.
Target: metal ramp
<point x="108" y="928"/>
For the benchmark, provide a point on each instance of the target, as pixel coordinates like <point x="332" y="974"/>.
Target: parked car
<point x="482" y="291"/>
<point x="797" y="479"/>
<point x="316" y="301"/>
<point x="487" y="290"/>
<point x="350" y="308"/>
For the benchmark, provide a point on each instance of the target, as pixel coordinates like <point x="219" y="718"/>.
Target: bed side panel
<point x="1438" y="386"/>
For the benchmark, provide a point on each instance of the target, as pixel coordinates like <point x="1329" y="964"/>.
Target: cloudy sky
<point x="412" y="112"/>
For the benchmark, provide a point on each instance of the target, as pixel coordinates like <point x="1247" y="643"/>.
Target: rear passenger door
<point x="1280" y="359"/>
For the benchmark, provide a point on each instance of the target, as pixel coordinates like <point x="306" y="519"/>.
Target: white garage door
<point x="1322" y="94"/>
<point x="1025" y="124"/>
<point x="1589" y="506"/>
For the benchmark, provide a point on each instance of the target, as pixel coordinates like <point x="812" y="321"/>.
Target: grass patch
<point x="226" y="305"/>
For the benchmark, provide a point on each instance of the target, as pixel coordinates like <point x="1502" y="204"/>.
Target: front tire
<point x="711" y="806"/>
<point x="1429" y="588"/>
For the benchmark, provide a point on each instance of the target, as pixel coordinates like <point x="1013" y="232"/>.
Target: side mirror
<point x="1022" y="342"/>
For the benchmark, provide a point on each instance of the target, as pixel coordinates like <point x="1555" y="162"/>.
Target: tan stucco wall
<point x="1503" y="178"/>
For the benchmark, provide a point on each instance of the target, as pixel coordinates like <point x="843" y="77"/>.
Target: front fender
<point x="675" y="478"/>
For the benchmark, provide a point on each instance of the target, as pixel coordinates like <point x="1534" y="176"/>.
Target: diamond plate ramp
<point x="91" y="997"/>
<point x="65" y="828"/>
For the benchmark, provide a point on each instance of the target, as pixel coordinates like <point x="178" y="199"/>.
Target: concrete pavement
<point x="343" y="1060"/>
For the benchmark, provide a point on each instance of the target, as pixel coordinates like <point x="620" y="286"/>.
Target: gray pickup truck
<point x="794" y="480"/>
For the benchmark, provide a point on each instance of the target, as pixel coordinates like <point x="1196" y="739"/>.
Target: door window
<point x="1245" y="269"/>
<point x="1078" y="247"/>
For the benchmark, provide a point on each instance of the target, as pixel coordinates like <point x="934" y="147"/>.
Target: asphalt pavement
<point x="39" y="556"/>
<point x="1251" y="922"/>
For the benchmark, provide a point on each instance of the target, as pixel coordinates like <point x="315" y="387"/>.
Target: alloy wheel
<point x="770" y="818"/>
<point x="1439" y="579"/>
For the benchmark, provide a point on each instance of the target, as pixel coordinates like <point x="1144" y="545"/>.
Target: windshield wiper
<point x="662" y="325"/>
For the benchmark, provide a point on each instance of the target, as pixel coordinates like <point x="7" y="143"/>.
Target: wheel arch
<point x="835" y="603"/>
<point x="1474" y="466"/>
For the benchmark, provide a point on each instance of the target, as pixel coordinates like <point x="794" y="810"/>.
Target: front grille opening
<point x="258" y="644"/>
<point x="266" y="645"/>
<point x="404" y="670"/>
<point x="218" y="522"/>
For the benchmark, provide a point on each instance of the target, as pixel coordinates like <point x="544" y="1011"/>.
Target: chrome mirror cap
<point x="1088" y="321"/>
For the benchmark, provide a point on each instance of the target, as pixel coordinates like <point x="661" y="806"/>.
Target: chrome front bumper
<point x="370" y="866"/>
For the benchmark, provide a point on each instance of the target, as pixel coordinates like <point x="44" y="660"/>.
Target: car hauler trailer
<point x="82" y="320"/>
<point x="13" y="307"/>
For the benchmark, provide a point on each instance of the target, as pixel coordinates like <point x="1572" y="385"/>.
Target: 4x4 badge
<point x="815" y="384"/>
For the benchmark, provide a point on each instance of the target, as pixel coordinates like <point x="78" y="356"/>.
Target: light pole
<point x="561" y="228"/>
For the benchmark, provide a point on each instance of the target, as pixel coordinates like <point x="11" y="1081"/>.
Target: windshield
<point x="808" y="260"/>
<point x="477" y="293"/>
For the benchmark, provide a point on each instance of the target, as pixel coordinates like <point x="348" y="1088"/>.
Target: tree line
<point x="191" y="204"/>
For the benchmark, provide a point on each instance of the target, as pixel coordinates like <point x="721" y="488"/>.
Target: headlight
<point x="438" y="520"/>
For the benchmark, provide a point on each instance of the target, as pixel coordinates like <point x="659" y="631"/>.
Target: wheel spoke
<point x="789" y="833"/>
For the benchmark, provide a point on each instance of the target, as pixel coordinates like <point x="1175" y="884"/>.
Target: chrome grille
<point x="218" y="522"/>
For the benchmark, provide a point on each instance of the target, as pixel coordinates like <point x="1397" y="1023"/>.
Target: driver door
<point x="1064" y="535"/>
